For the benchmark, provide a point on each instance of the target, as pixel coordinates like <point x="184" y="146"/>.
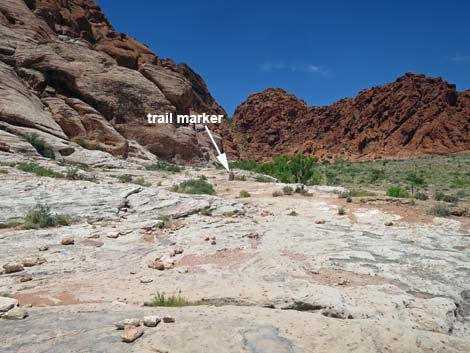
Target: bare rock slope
<point x="68" y="76"/>
<point x="413" y="116"/>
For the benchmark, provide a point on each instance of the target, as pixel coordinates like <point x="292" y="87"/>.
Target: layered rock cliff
<point x="69" y="77"/>
<point x="413" y="116"/>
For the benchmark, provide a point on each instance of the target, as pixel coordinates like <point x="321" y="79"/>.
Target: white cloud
<point x="270" y="66"/>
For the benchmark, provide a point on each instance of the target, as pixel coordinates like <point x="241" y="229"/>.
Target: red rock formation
<point x="65" y="72"/>
<point x="412" y="116"/>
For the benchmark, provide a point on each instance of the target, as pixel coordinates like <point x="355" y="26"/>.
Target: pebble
<point x="26" y="278"/>
<point x="207" y="238"/>
<point x="320" y="221"/>
<point x="127" y="322"/>
<point x="16" y="313"/>
<point x="43" y="248"/>
<point x="157" y="265"/>
<point x="131" y="333"/>
<point x="213" y="242"/>
<point x="179" y="251"/>
<point x="29" y="262"/>
<point x="146" y="280"/>
<point x="13" y="267"/>
<point x="151" y="321"/>
<point x="7" y="304"/>
<point x="388" y="224"/>
<point x="113" y="235"/>
<point x="67" y="241"/>
<point x="168" y="319"/>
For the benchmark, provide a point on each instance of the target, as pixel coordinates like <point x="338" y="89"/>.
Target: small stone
<point x="131" y="333"/>
<point x="16" y="313"/>
<point x="26" y="278"/>
<point x="127" y="322"/>
<point x="214" y="238"/>
<point x="207" y="238"/>
<point x="13" y="267"/>
<point x="179" y="251"/>
<point x="29" y="262"/>
<point x="146" y="280"/>
<point x="320" y="221"/>
<point x="151" y="321"/>
<point x="7" y="304"/>
<point x="213" y="242"/>
<point x="183" y="270"/>
<point x="43" y="248"/>
<point x="388" y="224"/>
<point x="67" y="241"/>
<point x="253" y="235"/>
<point x="157" y="265"/>
<point x="113" y="235"/>
<point x="168" y="319"/>
<point x="40" y="261"/>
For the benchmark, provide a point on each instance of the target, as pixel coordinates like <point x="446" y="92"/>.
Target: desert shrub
<point x="38" y="170"/>
<point x="244" y="193"/>
<point x="42" y="217"/>
<point x="194" y="186"/>
<point x="240" y="177"/>
<point x="263" y="179"/>
<point x="140" y="181"/>
<point x="396" y="191"/>
<point x="160" y="299"/>
<point x="450" y="198"/>
<point x="415" y="179"/>
<point x="302" y="191"/>
<point x="341" y="211"/>
<point x="167" y="222"/>
<point x="40" y="145"/>
<point x="81" y="143"/>
<point x="287" y="190"/>
<point x="460" y="194"/>
<point x="3" y="171"/>
<point x="355" y="193"/>
<point x="124" y="178"/>
<point x="439" y="195"/>
<point x="421" y="196"/>
<point x="440" y="211"/>
<point x="278" y="194"/>
<point x="165" y="166"/>
<point x="348" y="199"/>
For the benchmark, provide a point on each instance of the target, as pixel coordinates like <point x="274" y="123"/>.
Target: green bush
<point x="263" y="179"/>
<point x="40" y="145"/>
<point x="440" y="211"/>
<point x="168" y="301"/>
<point x="244" y="193"/>
<point x="450" y="198"/>
<point x="124" y="178"/>
<point x="439" y="196"/>
<point x="287" y="190"/>
<point x="302" y="191"/>
<point x="278" y="194"/>
<point x="396" y="191"/>
<point x="341" y="211"/>
<point x="140" y="181"/>
<point x="421" y="196"/>
<point x="165" y="166"/>
<point x="38" y="170"/>
<point x="194" y="186"/>
<point x="42" y="217"/>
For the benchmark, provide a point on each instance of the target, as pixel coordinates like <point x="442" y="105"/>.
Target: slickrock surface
<point x="69" y="77"/>
<point x="413" y="116"/>
<point x="272" y="282"/>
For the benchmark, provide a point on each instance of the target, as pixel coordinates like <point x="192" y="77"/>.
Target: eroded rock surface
<point x="263" y="280"/>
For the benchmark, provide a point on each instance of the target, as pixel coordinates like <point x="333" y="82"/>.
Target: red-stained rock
<point x="410" y="117"/>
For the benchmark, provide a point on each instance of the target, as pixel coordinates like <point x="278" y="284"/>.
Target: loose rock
<point x="146" y="280"/>
<point x="120" y="325"/>
<point x="15" y="314"/>
<point x="151" y="321"/>
<point x="7" y="304"/>
<point x="43" y="248"/>
<point x="13" y="267"/>
<point x="68" y="241"/>
<point x="29" y="262"/>
<point x="131" y="333"/>
<point x="157" y="265"/>
<point x="168" y="319"/>
<point x="26" y="278"/>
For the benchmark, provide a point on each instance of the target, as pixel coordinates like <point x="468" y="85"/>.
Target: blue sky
<point x="321" y="51"/>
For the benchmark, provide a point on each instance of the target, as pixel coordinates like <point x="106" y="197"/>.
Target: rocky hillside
<point x="69" y="77"/>
<point x="413" y="116"/>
